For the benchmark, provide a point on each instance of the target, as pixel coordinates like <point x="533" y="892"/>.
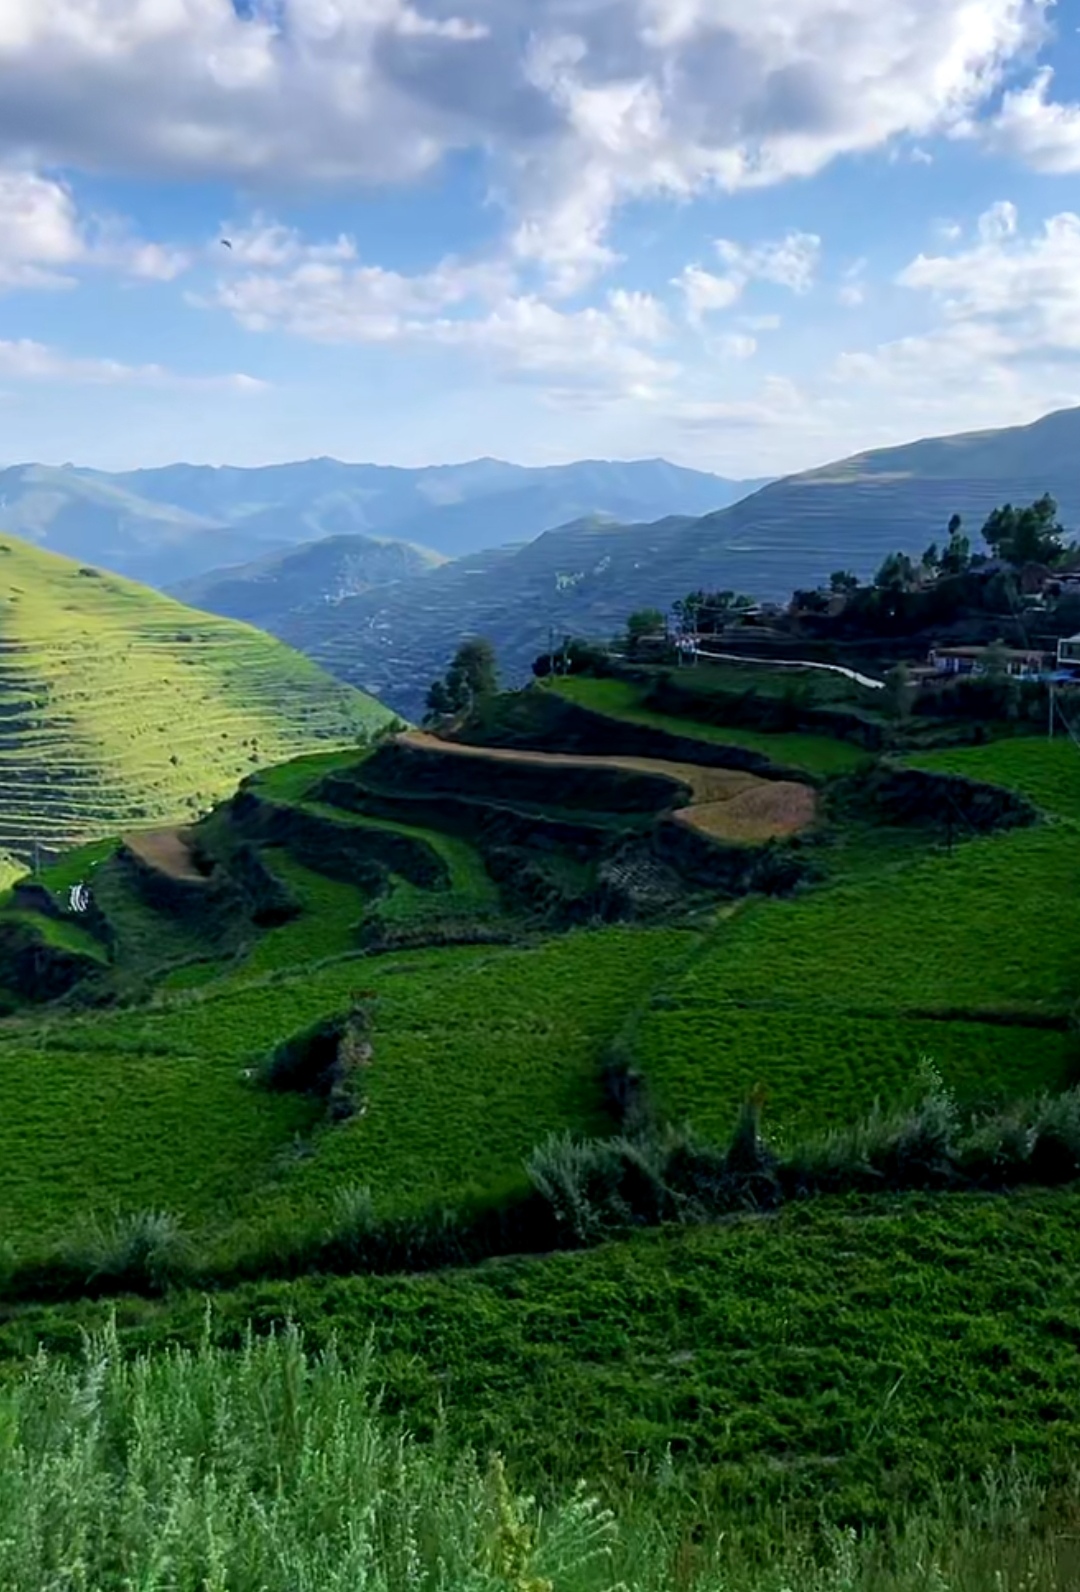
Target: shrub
<point x="142" y="1251"/>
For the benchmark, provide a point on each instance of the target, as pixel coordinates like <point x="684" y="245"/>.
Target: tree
<point x="470" y="678"/>
<point x="931" y="559"/>
<point x="843" y="583"/>
<point x="439" y="702"/>
<point x="956" y="555"/>
<point x="1026" y="536"/>
<point x="643" y="622"/>
<point x="897" y="573"/>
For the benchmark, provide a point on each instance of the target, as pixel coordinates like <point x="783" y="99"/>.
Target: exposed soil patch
<point x="726" y="803"/>
<point x="167" y="851"/>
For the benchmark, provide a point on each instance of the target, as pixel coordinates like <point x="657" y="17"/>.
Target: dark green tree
<point x="956" y="555"/>
<point x="843" y="582"/>
<point x="897" y="573"/>
<point x="643" y="622"/>
<point x="471" y="677"/>
<point x="1031" y="535"/>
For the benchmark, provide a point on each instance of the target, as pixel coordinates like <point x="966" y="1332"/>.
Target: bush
<point x="141" y="1252"/>
<point x="323" y="1060"/>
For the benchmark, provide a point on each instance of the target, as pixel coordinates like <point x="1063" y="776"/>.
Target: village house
<point x="1021" y="663"/>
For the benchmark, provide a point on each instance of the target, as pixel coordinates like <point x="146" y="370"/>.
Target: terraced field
<point x="831" y="1000"/>
<point x="120" y="708"/>
<point x="726" y="804"/>
<point x="621" y="699"/>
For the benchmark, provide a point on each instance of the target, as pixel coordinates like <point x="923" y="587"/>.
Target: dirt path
<point x="726" y="803"/>
<point x="167" y="851"/>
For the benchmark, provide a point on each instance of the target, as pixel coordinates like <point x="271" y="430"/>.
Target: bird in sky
<point x="225" y="243"/>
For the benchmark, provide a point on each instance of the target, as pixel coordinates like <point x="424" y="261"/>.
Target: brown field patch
<point x="726" y="803"/>
<point x="769" y="811"/>
<point x="167" y="851"/>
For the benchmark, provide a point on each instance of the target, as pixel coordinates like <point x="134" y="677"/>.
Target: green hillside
<point x="120" y="707"/>
<point x="449" y="1050"/>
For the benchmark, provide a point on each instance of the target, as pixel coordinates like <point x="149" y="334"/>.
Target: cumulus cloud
<point x="31" y="361"/>
<point x="578" y="107"/>
<point x="1021" y="295"/>
<point x="44" y="239"/>
<point x="1042" y="132"/>
<point x="324" y="292"/>
<point x="789" y="263"/>
<point x="1008" y="337"/>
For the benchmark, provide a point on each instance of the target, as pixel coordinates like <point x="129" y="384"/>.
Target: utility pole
<point x="1050" y="726"/>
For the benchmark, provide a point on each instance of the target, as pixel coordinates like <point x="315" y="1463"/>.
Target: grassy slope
<point x="820" y="754"/>
<point x="120" y="707"/>
<point x="477" y="1055"/>
<point x="847" y="1357"/>
<point x="826" y="999"/>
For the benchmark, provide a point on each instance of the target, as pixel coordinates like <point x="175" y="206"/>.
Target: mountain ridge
<point x="584" y="578"/>
<point x="176" y="522"/>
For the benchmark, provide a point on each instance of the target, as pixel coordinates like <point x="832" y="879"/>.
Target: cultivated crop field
<point x="822" y="1073"/>
<point x="122" y="707"/>
<point x="1045" y="771"/>
<point x="841" y="1357"/>
<point x="991" y="928"/>
<point x="819" y="754"/>
<point x="478" y="1053"/>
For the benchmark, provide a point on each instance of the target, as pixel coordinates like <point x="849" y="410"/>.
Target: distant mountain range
<point x="586" y="576"/>
<point x="169" y="525"/>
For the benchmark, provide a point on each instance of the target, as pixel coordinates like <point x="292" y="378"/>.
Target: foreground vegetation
<point x="838" y="1398"/>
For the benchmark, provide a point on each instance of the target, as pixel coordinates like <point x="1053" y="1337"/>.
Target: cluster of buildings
<point x="1019" y="662"/>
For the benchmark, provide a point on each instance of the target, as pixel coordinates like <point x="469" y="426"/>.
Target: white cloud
<point x="704" y="292"/>
<point x="789" y="263"/>
<point x="997" y="222"/>
<point x="606" y="101"/>
<point x="1040" y="131"/>
<point x="852" y="291"/>
<point x="733" y="345"/>
<point x="1007" y="346"/>
<point x="326" y="294"/>
<point x="44" y="239"/>
<point x="760" y="323"/>
<point x="642" y="316"/>
<point x="30" y="361"/>
<point x="1023" y="292"/>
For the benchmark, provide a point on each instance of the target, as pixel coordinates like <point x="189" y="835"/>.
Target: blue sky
<point x="747" y="238"/>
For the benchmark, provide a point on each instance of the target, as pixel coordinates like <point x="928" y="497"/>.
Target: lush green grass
<point x="702" y="1062"/>
<point x="990" y="927"/>
<point x="820" y="754"/>
<point x="478" y="1054"/>
<point x="332" y="908"/>
<point x="272" y="1468"/>
<point x="121" y="707"/>
<point x="841" y="1356"/>
<point x="96" y="1118"/>
<point x="475" y="1062"/>
<point x="472" y="887"/>
<point x="1047" y="772"/>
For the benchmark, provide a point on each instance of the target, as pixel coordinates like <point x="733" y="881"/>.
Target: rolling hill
<point x="585" y="577"/>
<point x="167" y="525"/>
<point x="267" y="590"/>
<point x="119" y="706"/>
